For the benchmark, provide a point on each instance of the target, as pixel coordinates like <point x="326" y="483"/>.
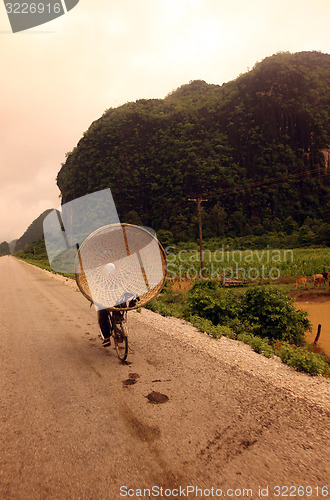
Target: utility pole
<point x="199" y="200"/>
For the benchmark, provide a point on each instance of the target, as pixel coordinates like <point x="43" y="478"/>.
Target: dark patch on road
<point x="131" y="380"/>
<point x="144" y="432"/>
<point x="157" y="398"/>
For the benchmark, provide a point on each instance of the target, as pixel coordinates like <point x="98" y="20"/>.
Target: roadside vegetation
<point x="36" y="254"/>
<point x="263" y="317"/>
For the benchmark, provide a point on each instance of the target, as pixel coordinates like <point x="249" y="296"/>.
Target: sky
<point x="57" y="78"/>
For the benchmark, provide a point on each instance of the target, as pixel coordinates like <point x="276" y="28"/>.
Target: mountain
<point x="4" y="248"/>
<point x="12" y="244"/>
<point x="256" y="149"/>
<point x="34" y="232"/>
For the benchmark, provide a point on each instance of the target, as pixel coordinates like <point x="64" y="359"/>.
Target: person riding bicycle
<point x="106" y="320"/>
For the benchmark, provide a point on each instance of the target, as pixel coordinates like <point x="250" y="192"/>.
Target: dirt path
<point x="71" y="427"/>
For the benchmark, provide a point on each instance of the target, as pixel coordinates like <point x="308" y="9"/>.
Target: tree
<point x="217" y="220"/>
<point x="289" y="225"/>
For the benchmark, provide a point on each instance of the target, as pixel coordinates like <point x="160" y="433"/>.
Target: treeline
<point x="34" y="251"/>
<point x="288" y="234"/>
<point x="224" y="143"/>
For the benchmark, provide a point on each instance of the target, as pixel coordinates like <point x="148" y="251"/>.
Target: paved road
<point x="71" y="428"/>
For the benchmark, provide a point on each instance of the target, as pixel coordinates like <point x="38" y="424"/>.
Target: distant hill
<point x="4" y="248"/>
<point x="209" y="141"/>
<point x="12" y="244"/>
<point x="34" y="232"/>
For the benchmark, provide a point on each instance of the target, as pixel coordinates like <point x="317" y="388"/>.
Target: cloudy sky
<point x="59" y="77"/>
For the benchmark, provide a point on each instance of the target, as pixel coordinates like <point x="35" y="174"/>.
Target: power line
<point x="256" y="184"/>
<point x="274" y="180"/>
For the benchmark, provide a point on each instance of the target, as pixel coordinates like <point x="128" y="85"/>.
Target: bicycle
<point x="120" y="258"/>
<point x="113" y="324"/>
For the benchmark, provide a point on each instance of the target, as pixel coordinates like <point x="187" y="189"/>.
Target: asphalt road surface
<point x="72" y="427"/>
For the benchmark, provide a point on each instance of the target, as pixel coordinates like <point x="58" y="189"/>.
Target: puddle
<point x="131" y="380"/>
<point x="319" y="314"/>
<point x="157" y="398"/>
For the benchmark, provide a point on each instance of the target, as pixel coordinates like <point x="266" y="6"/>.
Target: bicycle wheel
<point x="120" y="338"/>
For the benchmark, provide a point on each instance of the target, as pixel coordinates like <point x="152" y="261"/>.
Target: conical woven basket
<point x="138" y="260"/>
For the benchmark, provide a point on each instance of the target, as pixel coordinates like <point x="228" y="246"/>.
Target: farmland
<point x="273" y="265"/>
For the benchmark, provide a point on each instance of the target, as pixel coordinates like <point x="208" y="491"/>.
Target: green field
<point x="255" y="266"/>
<point x="251" y="265"/>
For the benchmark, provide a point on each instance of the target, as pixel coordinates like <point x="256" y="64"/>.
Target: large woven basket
<point x="136" y="255"/>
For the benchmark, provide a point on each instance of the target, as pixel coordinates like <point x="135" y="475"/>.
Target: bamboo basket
<point x="137" y="262"/>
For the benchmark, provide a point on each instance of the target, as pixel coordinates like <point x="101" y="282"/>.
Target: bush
<point x="272" y="313"/>
<point x="165" y="237"/>
<point x="159" y="307"/>
<point x="258" y="344"/>
<point x="266" y="312"/>
<point x="240" y="326"/>
<point x="303" y="360"/>
<point x="216" y="331"/>
<point x="169" y="303"/>
<point x="209" y="301"/>
<point x="202" y="324"/>
<point x="261" y="346"/>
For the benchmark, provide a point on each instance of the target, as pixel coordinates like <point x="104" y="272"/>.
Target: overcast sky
<point x="59" y="77"/>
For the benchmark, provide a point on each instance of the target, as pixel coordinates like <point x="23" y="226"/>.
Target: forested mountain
<point x="214" y="141"/>
<point x="4" y="248"/>
<point x="34" y="232"/>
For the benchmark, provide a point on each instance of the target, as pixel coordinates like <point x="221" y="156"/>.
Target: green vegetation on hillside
<point x="209" y="140"/>
<point x="35" y="253"/>
<point x="4" y="248"/>
<point x="33" y="233"/>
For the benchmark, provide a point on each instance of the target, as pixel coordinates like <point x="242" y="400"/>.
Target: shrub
<point x="209" y="301"/>
<point x="202" y="324"/>
<point x="240" y="326"/>
<point x="245" y="337"/>
<point x="258" y="344"/>
<point x="216" y="331"/>
<point x="165" y="237"/>
<point x="169" y="303"/>
<point x="272" y="313"/>
<point x="261" y="346"/>
<point x="159" y="307"/>
<point x="303" y="360"/>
